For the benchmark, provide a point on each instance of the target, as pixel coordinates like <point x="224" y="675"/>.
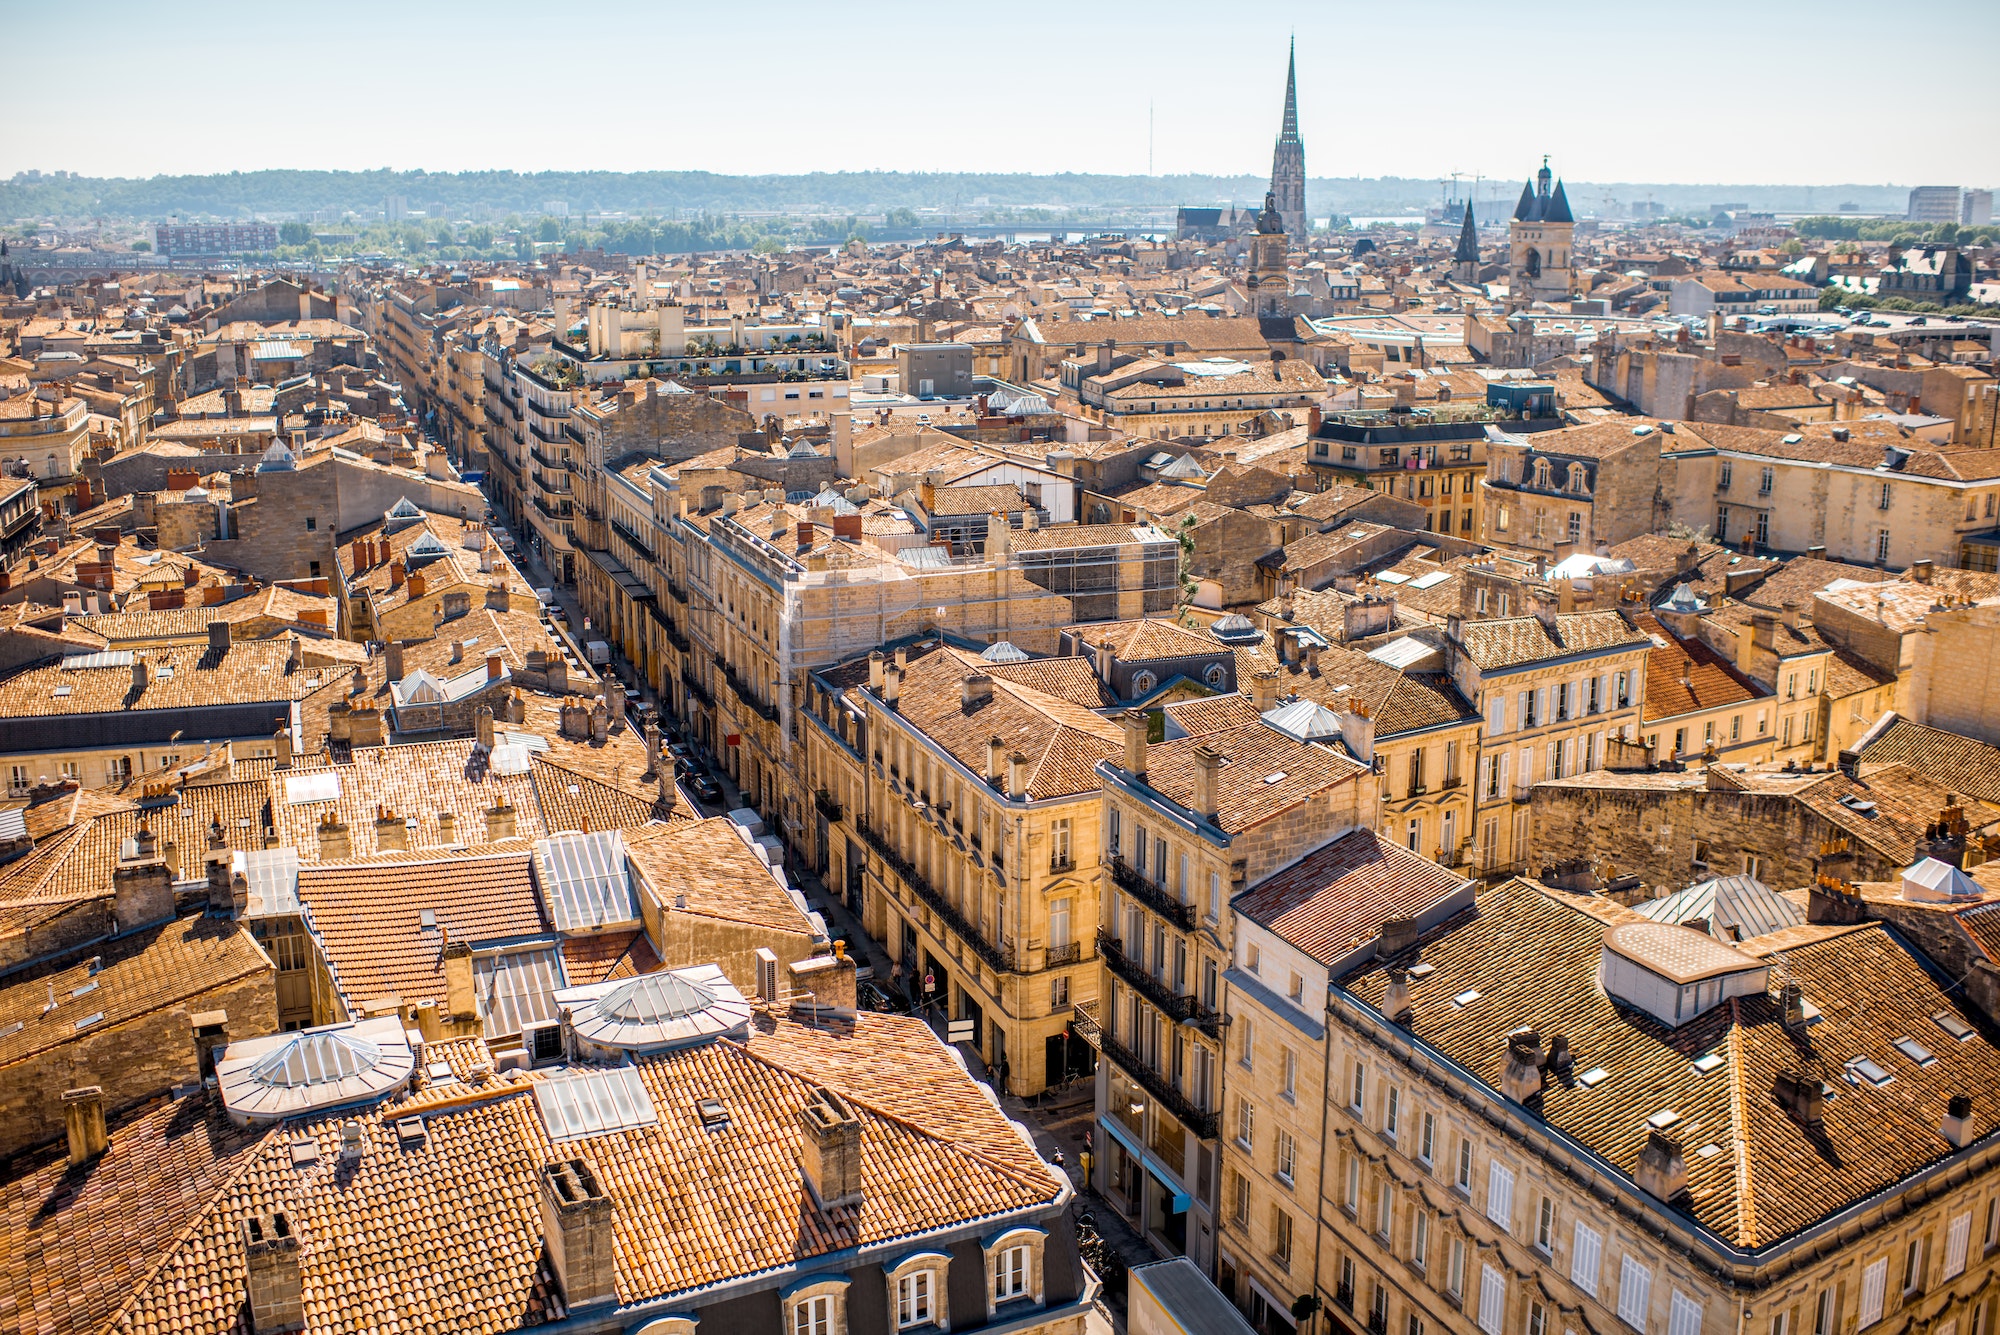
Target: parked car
<point x="704" y="790"/>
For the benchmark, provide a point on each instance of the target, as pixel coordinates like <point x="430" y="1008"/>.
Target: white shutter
<point x="1541" y="704"/>
<point x="1504" y="790"/>
<point x="1683" y="1315"/>
<point x="1872" y="1281"/>
<point x="1584" y="1258"/>
<point x="1635" y="1293"/>
<point x="1955" y="1238"/>
<point x="1500" y="1194"/>
<point x="1496" y="709"/>
<point x="1527" y="705"/>
<point x="1603" y="691"/>
<point x="1492" y="1300"/>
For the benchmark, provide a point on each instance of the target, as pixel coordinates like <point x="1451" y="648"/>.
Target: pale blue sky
<point x="1699" y="91"/>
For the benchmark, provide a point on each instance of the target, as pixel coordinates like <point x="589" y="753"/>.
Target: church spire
<point x="1468" y="238"/>
<point x="1288" y="133"/>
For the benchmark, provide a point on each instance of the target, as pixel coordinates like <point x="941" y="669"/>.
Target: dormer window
<point x="817" y="1306"/>
<point x="1577" y="478"/>
<point x="917" y="1290"/>
<point x="1014" y="1267"/>
<point x="1542" y="474"/>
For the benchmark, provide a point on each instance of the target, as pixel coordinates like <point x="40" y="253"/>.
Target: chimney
<point x="142" y="887"/>
<point x="875" y="661"/>
<point x="1956" y="1128"/>
<point x="1802" y="1096"/>
<point x="652" y="746"/>
<point x="1396" y="1002"/>
<point x="218" y="638"/>
<point x="140" y="675"/>
<point x="975" y="690"/>
<point x="447" y="827"/>
<point x="395" y="657"/>
<point x="1662" y="1172"/>
<point x="1017" y="776"/>
<point x="493" y="667"/>
<point x="461" y="998"/>
<point x="335" y="843"/>
<point x="996" y="760"/>
<point x="457" y="651"/>
<point x="83" y="1119"/>
<point x="271" y="1255"/>
<point x="1357" y="729"/>
<point x="1136" y="726"/>
<point x="1207" y="763"/>
<point x="482" y="727"/>
<point x="1264" y="690"/>
<point x="1105" y="351"/>
<point x="1788" y="612"/>
<point x="1107" y="660"/>
<point x="830" y="1149"/>
<point x="1687" y="559"/>
<point x="281" y="745"/>
<point x="500" y="823"/>
<point x="1920" y="571"/>
<point x="392" y="832"/>
<point x="576" y="1227"/>
<point x="396" y="569"/>
<point x="892" y="683"/>
<point x="1521" y="1077"/>
<point x="824" y="984"/>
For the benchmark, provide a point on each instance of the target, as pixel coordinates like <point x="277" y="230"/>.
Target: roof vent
<point x="713" y="1113"/>
<point x="1662" y="1170"/>
<point x="1957" y="1126"/>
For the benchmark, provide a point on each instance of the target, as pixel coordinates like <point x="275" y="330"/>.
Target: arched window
<point x="1143" y="683"/>
<point x="1576" y="477"/>
<point x="1541" y="472"/>
<point x="1534" y="263"/>
<point x="1215" y="676"/>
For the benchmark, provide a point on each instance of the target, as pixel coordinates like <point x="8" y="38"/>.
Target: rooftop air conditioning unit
<point x="543" y="1043"/>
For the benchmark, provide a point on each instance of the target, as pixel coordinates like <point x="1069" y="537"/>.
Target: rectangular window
<point x="1281" y="1236"/>
<point x="1058" y="993"/>
<point x="1241" y="1202"/>
<point x="1428" y="1140"/>
<point x="1635" y="1293"/>
<point x="1113" y="828"/>
<point x="1913" y="1266"/>
<point x="1249" y="1045"/>
<point x="1058" y="923"/>
<point x="1585" y="1253"/>
<point x="813" y="1316"/>
<point x="1545" y="1224"/>
<point x="1059" y="845"/>
<point x="1214" y="895"/>
<point x="1825" y="1312"/>
<point x="1420" y="1240"/>
<point x="1359" y="1088"/>
<point x="1291" y="1089"/>
<point x="1454" y="1277"/>
<point x="1492" y="1300"/>
<point x="913" y="1300"/>
<point x="1391" y="1111"/>
<point x="1246" y="1122"/>
<point x="1500" y="1194"/>
<point x="1010" y="1275"/>
<point x="1378" y="1308"/>
<point x="1353" y="1184"/>
<point x="1874" y="1281"/>
<point x="1538" y="1319"/>
<point x="1683" y="1315"/>
<point x="1287" y="1156"/>
<point x="1385" y="1210"/>
<point x="1464" y="1179"/>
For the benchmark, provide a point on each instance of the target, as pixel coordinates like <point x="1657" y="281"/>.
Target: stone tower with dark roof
<point x="1538" y="242"/>
<point x="1288" y="158"/>
<point x="1465" y="260"/>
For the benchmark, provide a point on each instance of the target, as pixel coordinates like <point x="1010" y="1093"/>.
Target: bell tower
<point x="1539" y="242"/>
<point x="1270" y="280"/>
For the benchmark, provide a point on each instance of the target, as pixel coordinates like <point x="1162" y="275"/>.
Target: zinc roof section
<point x="1336" y="899"/>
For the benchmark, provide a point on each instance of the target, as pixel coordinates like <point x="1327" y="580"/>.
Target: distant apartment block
<point x="192" y="239"/>
<point x="1934" y="204"/>
<point x="1977" y="208"/>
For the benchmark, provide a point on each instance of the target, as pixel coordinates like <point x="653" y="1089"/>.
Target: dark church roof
<point x="1468" y="239"/>
<point x="1540" y="203"/>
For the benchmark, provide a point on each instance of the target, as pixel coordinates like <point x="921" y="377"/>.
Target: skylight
<point x="1465" y="998"/>
<point x="1953" y="1025"/>
<point x="585" y="881"/>
<point x="592" y="1103"/>
<point x="1914" y="1050"/>
<point x="323" y="786"/>
<point x="1595" y="1076"/>
<point x="1663" y="1119"/>
<point x="1866" y="1068"/>
<point x="1707" y="1063"/>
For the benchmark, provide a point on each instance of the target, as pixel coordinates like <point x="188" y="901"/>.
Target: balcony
<point x="937" y="903"/>
<point x="1450" y="782"/>
<point x="674" y="636"/>
<point x="561" y="513"/>
<point x="1523" y="791"/>
<point x="823" y="800"/>
<point x="741" y="688"/>
<point x="1061" y="863"/>
<point x="547" y="437"/>
<point x="1155" y="990"/>
<point x="553" y="463"/>
<point x="677" y="593"/>
<point x="1152" y="896"/>
<point x="1202" y="1124"/>
<point x="697" y="690"/>
<point x="1055" y="956"/>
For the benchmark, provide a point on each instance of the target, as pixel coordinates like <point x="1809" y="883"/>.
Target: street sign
<point x="958" y="1031"/>
<point x="930" y="982"/>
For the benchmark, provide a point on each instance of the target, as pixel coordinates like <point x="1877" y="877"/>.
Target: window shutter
<point x="1527" y="704"/>
<point x="1955" y="1239"/>
<point x="1604" y="690"/>
<point x="1684" y="1315"/>
<point x="1492" y="1300"/>
<point x="1584" y="1258"/>
<point x="1496" y="710"/>
<point x="1872" y="1281"/>
<point x="1503" y="773"/>
<point x="1500" y="1194"/>
<point x="1541" y="704"/>
<point x="1635" y="1293"/>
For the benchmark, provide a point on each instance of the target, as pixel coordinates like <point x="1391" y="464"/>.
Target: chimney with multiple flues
<point x="83" y="1120"/>
<point x="577" y="1217"/>
<point x="830" y="1149"/>
<point x="271" y="1260"/>
<point x="1136" y="726"/>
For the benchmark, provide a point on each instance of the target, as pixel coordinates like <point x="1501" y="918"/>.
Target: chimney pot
<point x="271" y="1254"/>
<point x="1662" y="1170"/>
<point x="830" y="1149"/>
<point x="1957" y="1128"/>
<point x="1136" y="726"/>
<point x="1207" y="764"/>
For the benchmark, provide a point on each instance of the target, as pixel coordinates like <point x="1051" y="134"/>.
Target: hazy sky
<point x="1740" y="91"/>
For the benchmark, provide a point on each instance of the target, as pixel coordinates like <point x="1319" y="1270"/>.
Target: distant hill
<point x="963" y="195"/>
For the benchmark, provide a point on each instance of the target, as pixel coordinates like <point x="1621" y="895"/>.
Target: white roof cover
<point x="1741" y="902"/>
<point x="273" y="874"/>
<point x="425" y="548"/>
<point x="284" y="1075"/>
<point x="319" y="786"/>
<point x="1933" y="880"/>
<point x="670" y="1009"/>
<point x="404" y="509"/>
<point x="1305" y="720"/>
<point x="585" y="881"/>
<point x="109" y="658"/>
<point x="1404" y="652"/>
<point x="593" y="1102"/>
<point x="1004" y="651"/>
